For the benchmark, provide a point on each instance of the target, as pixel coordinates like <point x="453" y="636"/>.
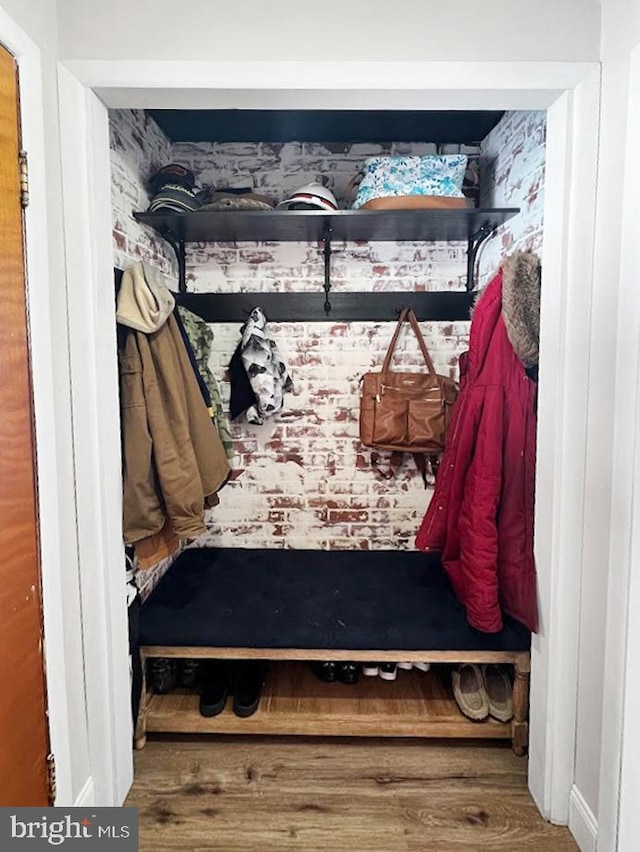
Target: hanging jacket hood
<point x="481" y="515"/>
<point x="144" y="300"/>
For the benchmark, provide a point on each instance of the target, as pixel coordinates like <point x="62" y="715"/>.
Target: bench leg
<point x="520" y="723"/>
<point x="140" y="733"/>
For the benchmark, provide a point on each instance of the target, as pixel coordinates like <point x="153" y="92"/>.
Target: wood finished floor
<point x="272" y="794"/>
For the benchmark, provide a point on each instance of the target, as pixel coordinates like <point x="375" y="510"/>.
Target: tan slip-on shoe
<point x="469" y="692"/>
<point x="497" y="684"/>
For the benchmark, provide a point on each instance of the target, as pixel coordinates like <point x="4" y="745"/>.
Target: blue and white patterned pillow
<point x="431" y="174"/>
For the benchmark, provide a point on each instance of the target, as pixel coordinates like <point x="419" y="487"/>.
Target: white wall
<point x="38" y="19"/>
<point x="359" y="29"/>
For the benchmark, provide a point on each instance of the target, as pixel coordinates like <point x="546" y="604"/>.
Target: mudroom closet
<point x="309" y="556"/>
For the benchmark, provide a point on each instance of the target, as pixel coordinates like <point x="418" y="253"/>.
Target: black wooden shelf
<point x="347" y="307"/>
<point x="472" y="225"/>
<point x="312" y="225"/>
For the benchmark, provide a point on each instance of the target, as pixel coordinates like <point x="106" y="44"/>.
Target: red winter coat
<point x="481" y="515"/>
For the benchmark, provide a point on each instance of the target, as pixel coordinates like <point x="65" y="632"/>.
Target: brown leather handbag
<point x="406" y="411"/>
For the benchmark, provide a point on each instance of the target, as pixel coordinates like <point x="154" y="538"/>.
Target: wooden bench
<point x="294" y="606"/>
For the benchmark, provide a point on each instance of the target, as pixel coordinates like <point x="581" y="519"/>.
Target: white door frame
<point x="96" y="428"/>
<point x="618" y="812"/>
<point x="568" y="249"/>
<point x="41" y="348"/>
<point x="571" y="93"/>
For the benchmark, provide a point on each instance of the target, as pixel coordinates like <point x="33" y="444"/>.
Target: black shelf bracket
<point x="327" y="269"/>
<point x="473" y="245"/>
<point x="178" y="245"/>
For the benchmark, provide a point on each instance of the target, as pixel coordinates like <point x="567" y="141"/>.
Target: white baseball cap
<point x="310" y="195"/>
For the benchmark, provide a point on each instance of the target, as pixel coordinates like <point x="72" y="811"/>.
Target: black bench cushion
<point x="360" y="600"/>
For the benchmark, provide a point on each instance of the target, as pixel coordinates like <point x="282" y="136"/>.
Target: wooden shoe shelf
<point x="295" y="702"/>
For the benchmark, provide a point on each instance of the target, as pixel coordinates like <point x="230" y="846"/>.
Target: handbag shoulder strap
<point x="407" y="314"/>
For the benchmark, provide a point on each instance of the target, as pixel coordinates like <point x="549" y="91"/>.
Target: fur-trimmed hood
<point x="521" y="304"/>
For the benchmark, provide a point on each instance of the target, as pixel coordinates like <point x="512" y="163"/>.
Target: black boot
<point x="163" y="674"/>
<point x="325" y="671"/>
<point x="248" y="679"/>
<point x="188" y="674"/>
<point x="348" y="672"/>
<point x="215" y="683"/>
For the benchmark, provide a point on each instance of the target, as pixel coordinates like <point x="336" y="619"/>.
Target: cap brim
<point x="315" y="203"/>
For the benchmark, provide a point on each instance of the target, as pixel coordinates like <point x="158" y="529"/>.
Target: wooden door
<point x="23" y="725"/>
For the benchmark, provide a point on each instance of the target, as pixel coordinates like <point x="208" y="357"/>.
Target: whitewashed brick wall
<point x="138" y="149"/>
<point x="512" y="175"/>
<point x="305" y="480"/>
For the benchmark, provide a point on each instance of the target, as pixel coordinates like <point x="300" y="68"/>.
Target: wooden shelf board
<point x="295" y="702"/>
<point x="220" y="653"/>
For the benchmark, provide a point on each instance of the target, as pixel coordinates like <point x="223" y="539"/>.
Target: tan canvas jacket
<point x="174" y="461"/>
